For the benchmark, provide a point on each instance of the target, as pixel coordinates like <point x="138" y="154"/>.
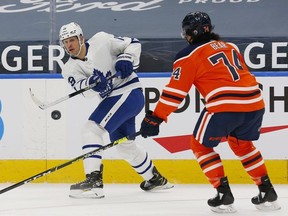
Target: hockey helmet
<point x="69" y="30"/>
<point x="196" y="24"/>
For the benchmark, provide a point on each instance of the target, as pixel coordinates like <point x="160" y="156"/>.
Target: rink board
<point x="118" y="171"/>
<point x="31" y="141"/>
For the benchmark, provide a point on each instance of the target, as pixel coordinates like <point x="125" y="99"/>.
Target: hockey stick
<point x="44" y="106"/>
<point x="83" y="156"/>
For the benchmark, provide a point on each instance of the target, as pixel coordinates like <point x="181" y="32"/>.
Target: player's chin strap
<point x="81" y="45"/>
<point x="83" y="156"/>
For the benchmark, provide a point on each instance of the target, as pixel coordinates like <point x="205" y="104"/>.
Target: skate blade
<point x="224" y="209"/>
<point x="268" y="206"/>
<point x="161" y="187"/>
<point x="95" y="193"/>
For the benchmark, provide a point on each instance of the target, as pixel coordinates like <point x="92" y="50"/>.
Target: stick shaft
<point x="46" y="172"/>
<point x="47" y="105"/>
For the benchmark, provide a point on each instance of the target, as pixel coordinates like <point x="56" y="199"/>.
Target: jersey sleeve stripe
<point x="81" y="84"/>
<point x="172" y="97"/>
<point x="135" y="66"/>
<point x="177" y="91"/>
<point x="168" y="103"/>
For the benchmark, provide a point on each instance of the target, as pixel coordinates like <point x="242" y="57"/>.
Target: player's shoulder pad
<point x="186" y="51"/>
<point x="234" y="45"/>
<point x="100" y="36"/>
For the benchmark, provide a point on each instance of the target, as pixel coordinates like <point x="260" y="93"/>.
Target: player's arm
<point x="176" y="90"/>
<point x="79" y="80"/>
<point x="133" y="49"/>
<point x="128" y="51"/>
<point x="172" y="96"/>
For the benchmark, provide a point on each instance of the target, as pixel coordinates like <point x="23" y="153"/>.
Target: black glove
<point x="150" y="125"/>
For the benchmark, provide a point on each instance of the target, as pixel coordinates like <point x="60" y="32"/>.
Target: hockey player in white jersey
<point x="94" y="61"/>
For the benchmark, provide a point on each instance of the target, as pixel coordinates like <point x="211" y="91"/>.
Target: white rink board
<point x="31" y="133"/>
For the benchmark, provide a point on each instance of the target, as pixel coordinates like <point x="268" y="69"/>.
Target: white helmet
<point x="70" y="30"/>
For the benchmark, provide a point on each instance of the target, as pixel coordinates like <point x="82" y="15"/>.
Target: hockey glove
<point x="105" y="93"/>
<point x="150" y="125"/>
<point x="99" y="79"/>
<point x="124" y="65"/>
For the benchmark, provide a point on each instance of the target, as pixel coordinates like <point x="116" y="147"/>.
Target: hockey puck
<point x="56" y="114"/>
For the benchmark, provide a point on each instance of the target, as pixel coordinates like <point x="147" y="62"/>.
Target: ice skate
<point x="223" y="201"/>
<point x="91" y="188"/>
<point x="157" y="182"/>
<point x="266" y="200"/>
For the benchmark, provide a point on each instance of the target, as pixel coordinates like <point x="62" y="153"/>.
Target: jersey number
<point x="176" y="73"/>
<point x="232" y="67"/>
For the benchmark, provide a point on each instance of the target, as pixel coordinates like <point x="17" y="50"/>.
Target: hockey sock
<point x="250" y="158"/>
<point x="209" y="161"/>
<point x="137" y="157"/>
<point x="92" y="136"/>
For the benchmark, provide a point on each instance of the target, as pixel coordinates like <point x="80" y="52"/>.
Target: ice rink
<point x="35" y="199"/>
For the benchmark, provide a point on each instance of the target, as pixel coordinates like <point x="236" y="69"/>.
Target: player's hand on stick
<point x="98" y="79"/>
<point x="124" y="64"/>
<point x="150" y="125"/>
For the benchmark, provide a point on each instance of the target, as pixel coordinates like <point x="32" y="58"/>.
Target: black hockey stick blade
<point x="46" y="172"/>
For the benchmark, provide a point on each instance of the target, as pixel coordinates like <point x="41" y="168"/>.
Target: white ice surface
<point x="35" y="199"/>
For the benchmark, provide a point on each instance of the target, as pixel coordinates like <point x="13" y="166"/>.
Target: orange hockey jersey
<point x="218" y="71"/>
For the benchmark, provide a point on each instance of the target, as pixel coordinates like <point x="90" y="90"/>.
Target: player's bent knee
<point x="128" y="150"/>
<point x="91" y="132"/>
<point x="240" y="147"/>
<point x="199" y="149"/>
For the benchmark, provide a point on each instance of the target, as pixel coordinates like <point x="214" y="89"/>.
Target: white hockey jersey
<point x="102" y="51"/>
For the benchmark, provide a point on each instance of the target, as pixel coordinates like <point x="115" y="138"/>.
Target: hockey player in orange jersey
<point x="234" y="108"/>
